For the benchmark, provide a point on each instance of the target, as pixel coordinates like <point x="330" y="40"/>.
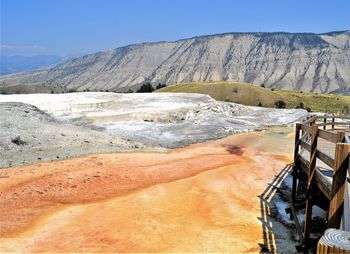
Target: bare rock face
<point x="301" y="61"/>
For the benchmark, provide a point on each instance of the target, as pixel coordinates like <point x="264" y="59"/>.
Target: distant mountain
<point x="13" y="64"/>
<point x="296" y="61"/>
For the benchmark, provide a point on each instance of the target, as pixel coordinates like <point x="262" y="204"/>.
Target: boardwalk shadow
<point x="268" y="211"/>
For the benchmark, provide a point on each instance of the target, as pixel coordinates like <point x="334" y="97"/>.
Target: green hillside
<point x="254" y="95"/>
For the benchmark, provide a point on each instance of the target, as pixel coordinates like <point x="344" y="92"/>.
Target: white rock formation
<point x="158" y="119"/>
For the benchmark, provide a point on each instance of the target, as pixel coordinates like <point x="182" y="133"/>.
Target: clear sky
<point x="63" y="27"/>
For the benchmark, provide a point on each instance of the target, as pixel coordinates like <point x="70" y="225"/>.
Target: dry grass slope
<point x="252" y="95"/>
<point x="26" y="89"/>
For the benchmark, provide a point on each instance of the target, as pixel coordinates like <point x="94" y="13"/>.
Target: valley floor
<point x="201" y="198"/>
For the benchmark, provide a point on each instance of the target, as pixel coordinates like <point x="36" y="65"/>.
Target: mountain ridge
<point x="281" y="60"/>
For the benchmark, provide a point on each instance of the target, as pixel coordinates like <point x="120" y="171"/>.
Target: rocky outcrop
<point x="301" y="61"/>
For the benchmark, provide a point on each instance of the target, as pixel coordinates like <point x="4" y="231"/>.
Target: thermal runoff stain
<point x="200" y="198"/>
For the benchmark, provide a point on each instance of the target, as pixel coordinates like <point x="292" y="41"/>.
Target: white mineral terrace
<point x="168" y="120"/>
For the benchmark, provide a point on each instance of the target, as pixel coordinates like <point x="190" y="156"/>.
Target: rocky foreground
<point x="43" y="127"/>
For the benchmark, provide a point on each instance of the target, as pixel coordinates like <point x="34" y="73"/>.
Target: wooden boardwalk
<point x="321" y="177"/>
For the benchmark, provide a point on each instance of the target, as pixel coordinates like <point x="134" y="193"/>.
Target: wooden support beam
<point x="297" y="207"/>
<point x="295" y="167"/>
<point x="297" y="224"/>
<point x="340" y="136"/>
<point x="313" y="153"/>
<point x="296" y="141"/>
<point x="311" y="174"/>
<point x="304" y="164"/>
<point x="346" y="207"/>
<point x="341" y="165"/>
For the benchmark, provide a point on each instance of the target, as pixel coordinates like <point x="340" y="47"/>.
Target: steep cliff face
<point x="301" y="61"/>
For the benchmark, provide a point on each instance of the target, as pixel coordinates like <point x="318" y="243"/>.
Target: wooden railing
<point x="321" y="145"/>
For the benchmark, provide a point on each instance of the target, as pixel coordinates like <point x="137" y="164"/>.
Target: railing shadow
<point x="266" y="198"/>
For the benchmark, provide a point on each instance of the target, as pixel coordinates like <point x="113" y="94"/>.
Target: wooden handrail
<point x="305" y="128"/>
<point x="330" y="116"/>
<point x="313" y="129"/>
<point x="325" y="158"/>
<point x="305" y="145"/>
<point x="313" y="118"/>
<point x="327" y="135"/>
<point x="319" y="154"/>
<point x="335" y="123"/>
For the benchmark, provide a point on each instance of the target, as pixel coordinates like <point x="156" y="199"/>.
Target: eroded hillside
<point x="301" y="61"/>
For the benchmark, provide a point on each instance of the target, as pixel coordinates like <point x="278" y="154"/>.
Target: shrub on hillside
<point x="280" y="104"/>
<point x="160" y="85"/>
<point x="146" y="88"/>
<point x="301" y="105"/>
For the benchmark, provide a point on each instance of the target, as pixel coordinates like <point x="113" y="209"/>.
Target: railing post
<point x="338" y="184"/>
<point x="333" y="122"/>
<point x="340" y="136"/>
<point x="313" y="122"/>
<point x="296" y="141"/>
<point x="308" y="213"/>
<point x="346" y="206"/>
<point x="295" y="168"/>
<point x="325" y="121"/>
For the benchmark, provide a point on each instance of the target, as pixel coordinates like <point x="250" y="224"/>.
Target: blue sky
<point x="62" y="27"/>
